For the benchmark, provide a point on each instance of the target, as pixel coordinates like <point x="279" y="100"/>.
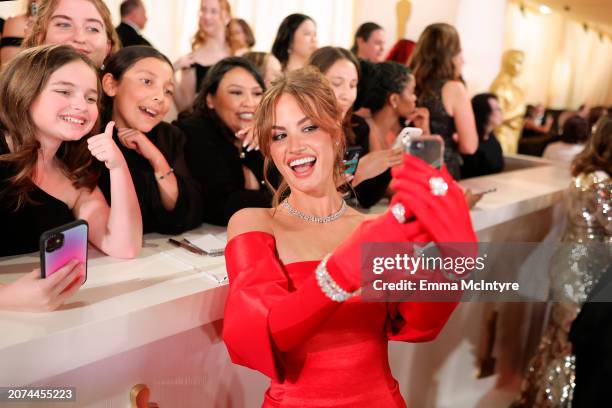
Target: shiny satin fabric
<point x="331" y="354"/>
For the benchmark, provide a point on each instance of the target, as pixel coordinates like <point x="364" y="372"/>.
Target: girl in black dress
<point x="138" y="84"/>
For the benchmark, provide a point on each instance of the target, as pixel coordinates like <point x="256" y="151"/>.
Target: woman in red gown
<point x="294" y="311"/>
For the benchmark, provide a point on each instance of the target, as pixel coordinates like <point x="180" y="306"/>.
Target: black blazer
<point x="129" y="36"/>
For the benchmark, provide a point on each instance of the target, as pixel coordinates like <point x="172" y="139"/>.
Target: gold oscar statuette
<point x="511" y="100"/>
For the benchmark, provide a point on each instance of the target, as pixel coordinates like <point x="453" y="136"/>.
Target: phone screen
<point x="351" y="159"/>
<point x="60" y="245"/>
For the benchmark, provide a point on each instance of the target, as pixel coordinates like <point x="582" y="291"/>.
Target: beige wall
<point x="482" y="38"/>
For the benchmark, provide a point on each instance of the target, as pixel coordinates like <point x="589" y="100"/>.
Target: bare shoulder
<point x="250" y="219"/>
<point x="454" y="88"/>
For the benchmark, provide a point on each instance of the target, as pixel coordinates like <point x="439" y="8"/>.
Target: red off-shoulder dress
<point x="317" y="352"/>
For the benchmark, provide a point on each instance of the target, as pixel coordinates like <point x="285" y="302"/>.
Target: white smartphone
<point x="406" y="134"/>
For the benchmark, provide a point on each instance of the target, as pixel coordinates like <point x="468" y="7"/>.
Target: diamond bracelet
<point x="328" y="285"/>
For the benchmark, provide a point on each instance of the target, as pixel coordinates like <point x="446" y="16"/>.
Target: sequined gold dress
<point x="578" y="263"/>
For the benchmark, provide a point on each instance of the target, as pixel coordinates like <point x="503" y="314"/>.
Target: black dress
<point x="200" y="71"/>
<point x="488" y="159"/>
<point x="217" y="164"/>
<point x="369" y="191"/>
<point x="21" y="229"/>
<point x="441" y="123"/>
<point x="187" y="213"/>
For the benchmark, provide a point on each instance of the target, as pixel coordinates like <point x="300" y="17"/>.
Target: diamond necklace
<point x="313" y="218"/>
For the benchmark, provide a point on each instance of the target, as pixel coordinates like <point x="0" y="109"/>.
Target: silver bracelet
<point x="328" y="285"/>
<point x="163" y="176"/>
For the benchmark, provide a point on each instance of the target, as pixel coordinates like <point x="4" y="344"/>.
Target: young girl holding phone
<point x="48" y="116"/>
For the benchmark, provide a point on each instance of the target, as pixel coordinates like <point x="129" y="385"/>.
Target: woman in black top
<point x="209" y="45"/>
<point x="437" y="63"/>
<point x="295" y="40"/>
<point x="138" y="83"/>
<point x="231" y="175"/>
<point x="489" y="158"/>
<point x="387" y="90"/>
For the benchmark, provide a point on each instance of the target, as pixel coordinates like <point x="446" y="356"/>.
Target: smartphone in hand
<point x="429" y="148"/>
<point x="60" y="245"/>
<point x="351" y="159"/>
<point x="406" y="134"/>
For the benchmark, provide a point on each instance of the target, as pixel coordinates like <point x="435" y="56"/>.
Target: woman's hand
<point x="420" y="118"/>
<point x="377" y="162"/>
<point x="445" y="216"/>
<point x="248" y="139"/>
<point x="183" y="62"/>
<point x="31" y="293"/>
<point x="103" y="148"/>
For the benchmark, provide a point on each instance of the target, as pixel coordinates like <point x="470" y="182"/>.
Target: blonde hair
<point x="199" y="37"/>
<point x="317" y="100"/>
<point x="38" y="33"/>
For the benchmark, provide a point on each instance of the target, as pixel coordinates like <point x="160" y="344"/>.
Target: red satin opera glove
<point x="444" y="218"/>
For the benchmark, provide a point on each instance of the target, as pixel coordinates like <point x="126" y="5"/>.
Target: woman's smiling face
<point x="300" y="149"/>
<point x="236" y="98"/>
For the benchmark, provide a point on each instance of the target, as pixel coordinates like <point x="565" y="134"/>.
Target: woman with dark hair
<point x="437" y="63"/>
<point x="48" y="123"/>
<point x="489" y="158"/>
<point x="575" y="134"/>
<point x="210" y="44"/>
<point x="341" y="68"/>
<point x="231" y="174"/>
<point x="241" y="38"/>
<point x="579" y="262"/>
<point x="295" y="40"/>
<point x="369" y="42"/>
<point x="387" y="90"/>
<point x="295" y="311"/>
<point x="138" y="84"/>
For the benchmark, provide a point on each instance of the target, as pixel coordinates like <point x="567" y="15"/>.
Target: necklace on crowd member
<point x="313" y="218"/>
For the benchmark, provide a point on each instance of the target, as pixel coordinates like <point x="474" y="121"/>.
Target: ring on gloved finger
<point x="399" y="212"/>
<point x="438" y="186"/>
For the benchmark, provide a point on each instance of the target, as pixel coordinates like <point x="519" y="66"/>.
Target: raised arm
<point x="262" y="308"/>
<point x="116" y="230"/>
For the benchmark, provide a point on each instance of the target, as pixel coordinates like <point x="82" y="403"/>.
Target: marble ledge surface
<point x="167" y="290"/>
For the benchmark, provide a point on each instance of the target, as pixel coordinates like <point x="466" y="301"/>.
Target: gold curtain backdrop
<point x="565" y="65"/>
